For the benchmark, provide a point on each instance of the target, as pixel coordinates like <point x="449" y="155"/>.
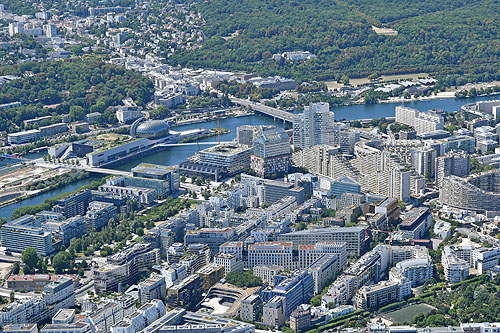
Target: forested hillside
<point x="438" y="36"/>
<point x="76" y="87"/>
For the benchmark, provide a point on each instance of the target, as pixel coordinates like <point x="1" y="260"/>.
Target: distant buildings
<point x="423" y="122"/>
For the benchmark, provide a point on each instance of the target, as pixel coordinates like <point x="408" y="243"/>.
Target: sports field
<point x="406" y="314"/>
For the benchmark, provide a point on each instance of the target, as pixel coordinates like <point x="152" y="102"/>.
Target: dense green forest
<point x="75" y="86"/>
<point x="440" y="36"/>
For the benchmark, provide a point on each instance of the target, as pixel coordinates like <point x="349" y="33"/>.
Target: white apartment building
<point x="455" y="269"/>
<point x="125" y="116"/>
<point x="422" y="122"/>
<point x="267" y="272"/>
<point x="484" y="259"/>
<point x="231" y="262"/>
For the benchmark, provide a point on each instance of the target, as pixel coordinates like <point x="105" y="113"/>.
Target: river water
<point x="175" y="155"/>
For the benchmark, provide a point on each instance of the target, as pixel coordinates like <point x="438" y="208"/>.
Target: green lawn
<point x="406" y="314"/>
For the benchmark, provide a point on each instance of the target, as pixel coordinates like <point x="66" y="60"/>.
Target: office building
<point x="457" y="143"/>
<point x="230" y="261"/>
<point x="314" y="126"/>
<point x="270" y="253"/>
<point x="274" y="312"/>
<point x="74" y="204"/>
<point x="23" y="137"/>
<point x="417" y="221"/>
<point x="211" y="237"/>
<point x="344" y="185"/>
<point x="346" y="141"/>
<point x="251" y="308"/>
<point x="210" y="274"/>
<point x="186" y="293"/>
<point x="25" y="232"/>
<point x="422" y="122"/>
<point x="158" y="172"/>
<point x="231" y="158"/>
<point x="309" y="254"/>
<point x="271" y="152"/>
<point x="354" y="237"/>
<point x="390" y="208"/>
<point x="296" y="289"/>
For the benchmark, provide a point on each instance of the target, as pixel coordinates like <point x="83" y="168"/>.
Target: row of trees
<point x="62" y="262"/>
<point x="58" y="181"/>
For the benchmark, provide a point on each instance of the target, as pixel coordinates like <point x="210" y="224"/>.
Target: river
<point x="175" y="155"/>
<point x="7" y="210"/>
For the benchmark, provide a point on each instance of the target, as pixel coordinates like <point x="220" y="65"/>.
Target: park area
<point x="406" y="314"/>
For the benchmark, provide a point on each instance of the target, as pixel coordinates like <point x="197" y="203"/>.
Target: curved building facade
<point x="477" y="193"/>
<point x="149" y="129"/>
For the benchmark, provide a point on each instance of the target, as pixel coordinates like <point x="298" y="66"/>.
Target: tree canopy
<point x="442" y="36"/>
<point x="73" y="86"/>
<point x="243" y="279"/>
